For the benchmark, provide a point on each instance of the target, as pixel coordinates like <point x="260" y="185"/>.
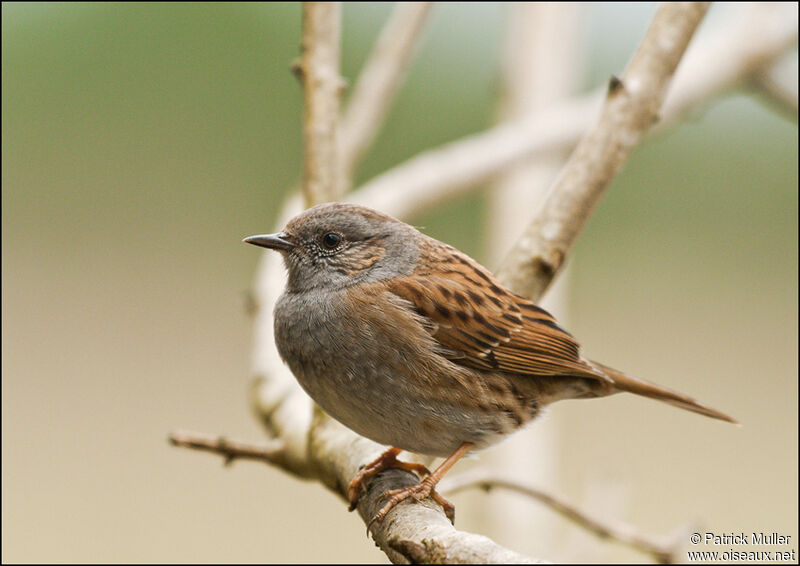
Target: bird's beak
<point x="279" y="241"/>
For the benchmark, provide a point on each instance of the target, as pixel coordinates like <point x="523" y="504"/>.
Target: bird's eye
<point x="331" y="240"/>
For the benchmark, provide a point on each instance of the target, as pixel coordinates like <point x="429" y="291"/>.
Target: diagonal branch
<point x="630" y="109"/>
<point x="411" y="528"/>
<point x="658" y="547"/>
<point x="378" y="84"/>
<point x="775" y="88"/>
<point x="752" y="39"/>
<point x="717" y="63"/>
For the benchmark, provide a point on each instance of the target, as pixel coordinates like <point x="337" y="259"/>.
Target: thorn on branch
<point x="615" y="84"/>
<point x="296" y="68"/>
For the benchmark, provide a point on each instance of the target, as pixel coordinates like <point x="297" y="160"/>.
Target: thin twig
<point x="378" y="83"/>
<point x="319" y="72"/>
<point x="269" y="452"/>
<point x="631" y="108"/>
<point x="658" y="547"/>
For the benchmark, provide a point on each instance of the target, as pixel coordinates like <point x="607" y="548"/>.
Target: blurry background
<point x="141" y="142"/>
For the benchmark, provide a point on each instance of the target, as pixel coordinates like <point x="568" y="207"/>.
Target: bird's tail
<point x="638" y="386"/>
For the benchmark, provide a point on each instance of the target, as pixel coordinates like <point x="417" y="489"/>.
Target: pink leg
<point x="425" y="488"/>
<point x="385" y="461"/>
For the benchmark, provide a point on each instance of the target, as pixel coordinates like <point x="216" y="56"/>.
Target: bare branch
<point x="542" y="65"/>
<point x="661" y="549"/>
<point x="631" y="107"/>
<point x="437" y="175"/>
<point x="781" y="93"/>
<point x="708" y="71"/>
<point x="269" y="452"/>
<point x="319" y="72"/>
<point x="411" y="531"/>
<point x="411" y="528"/>
<point x="377" y="85"/>
<point x="276" y="398"/>
<point x="752" y="39"/>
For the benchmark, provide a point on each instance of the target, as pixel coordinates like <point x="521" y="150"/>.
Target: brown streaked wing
<point x="487" y="327"/>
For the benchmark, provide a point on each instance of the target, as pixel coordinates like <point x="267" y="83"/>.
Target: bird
<point x="415" y="345"/>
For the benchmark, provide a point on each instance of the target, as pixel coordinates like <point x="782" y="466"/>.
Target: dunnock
<point x="413" y="344"/>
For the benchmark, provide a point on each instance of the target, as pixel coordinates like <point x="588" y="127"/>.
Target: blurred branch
<point x="782" y="93"/>
<point x="271" y="452"/>
<point x="753" y="38"/>
<point x="319" y="72"/>
<point x="658" y="548"/>
<point x="434" y="176"/>
<point x="542" y="64"/>
<point x="714" y="65"/>
<point x="377" y="85"/>
<point x="631" y="107"/>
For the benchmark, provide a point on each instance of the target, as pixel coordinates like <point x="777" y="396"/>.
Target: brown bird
<point x="413" y="344"/>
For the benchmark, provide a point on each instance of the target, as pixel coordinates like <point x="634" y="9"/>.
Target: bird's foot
<point x="385" y="461"/>
<point x="425" y="488"/>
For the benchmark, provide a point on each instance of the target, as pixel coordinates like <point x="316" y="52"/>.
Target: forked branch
<point x="631" y="108"/>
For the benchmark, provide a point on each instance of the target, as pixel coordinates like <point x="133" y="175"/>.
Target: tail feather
<point x="630" y="384"/>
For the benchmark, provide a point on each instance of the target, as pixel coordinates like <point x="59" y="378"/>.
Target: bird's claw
<point x="385" y="461"/>
<point x="418" y="492"/>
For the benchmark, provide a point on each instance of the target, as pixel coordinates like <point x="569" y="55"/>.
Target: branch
<point x="440" y="174"/>
<point x="270" y="452"/>
<point x="377" y="85"/>
<point x="720" y="62"/>
<point x="319" y="72"/>
<point x="542" y="65"/>
<point x="411" y="530"/>
<point x="658" y="548"/>
<point x="631" y="107"/>
<point x="781" y="93"/>
<point x="752" y="39"/>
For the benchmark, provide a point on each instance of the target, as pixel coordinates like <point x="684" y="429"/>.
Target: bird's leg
<point x="425" y="488"/>
<point x="385" y="461"/>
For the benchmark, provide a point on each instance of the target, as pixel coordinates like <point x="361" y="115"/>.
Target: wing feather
<point x="487" y="327"/>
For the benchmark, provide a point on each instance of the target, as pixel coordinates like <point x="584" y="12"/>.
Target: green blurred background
<point x="141" y="142"/>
